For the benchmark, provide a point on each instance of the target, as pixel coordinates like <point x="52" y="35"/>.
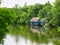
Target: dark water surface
<point x="31" y="35"/>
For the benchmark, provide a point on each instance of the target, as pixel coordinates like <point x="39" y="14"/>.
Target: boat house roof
<point x="34" y="19"/>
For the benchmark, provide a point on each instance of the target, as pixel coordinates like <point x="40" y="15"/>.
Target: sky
<point x="11" y="3"/>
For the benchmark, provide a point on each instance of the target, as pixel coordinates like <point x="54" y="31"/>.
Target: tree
<point x="56" y="13"/>
<point x="37" y="8"/>
<point x="6" y="18"/>
<point x="44" y="13"/>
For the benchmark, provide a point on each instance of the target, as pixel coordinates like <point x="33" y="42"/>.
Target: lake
<point x="30" y="35"/>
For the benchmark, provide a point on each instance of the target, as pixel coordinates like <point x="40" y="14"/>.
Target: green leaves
<point x="6" y="18"/>
<point x="56" y="13"/>
<point x="58" y="29"/>
<point x="44" y="13"/>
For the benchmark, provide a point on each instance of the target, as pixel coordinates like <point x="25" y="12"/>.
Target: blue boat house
<point x="35" y="21"/>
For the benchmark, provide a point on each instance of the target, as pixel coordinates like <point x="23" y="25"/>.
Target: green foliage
<point x="56" y="14"/>
<point x="57" y="6"/>
<point x="52" y="14"/>
<point x="7" y="15"/>
<point x="6" y="18"/>
<point x="44" y="13"/>
<point x="58" y="29"/>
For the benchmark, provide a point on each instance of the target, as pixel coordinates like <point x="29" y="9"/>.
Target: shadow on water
<point x="31" y="35"/>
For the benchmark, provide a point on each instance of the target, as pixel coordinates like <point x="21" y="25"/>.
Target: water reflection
<point x="35" y="29"/>
<point x="11" y="40"/>
<point x="25" y="35"/>
<point x="2" y="35"/>
<point x="2" y="42"/>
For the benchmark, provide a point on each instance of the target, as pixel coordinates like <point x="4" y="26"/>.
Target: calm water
<point x="30" y="35"/>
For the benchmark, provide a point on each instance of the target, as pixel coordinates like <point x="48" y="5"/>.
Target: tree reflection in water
<point x="36" y="35"/>
<point x="3" y="32"/>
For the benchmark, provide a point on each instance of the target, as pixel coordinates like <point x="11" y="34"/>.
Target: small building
<point x="35" y="21"/>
